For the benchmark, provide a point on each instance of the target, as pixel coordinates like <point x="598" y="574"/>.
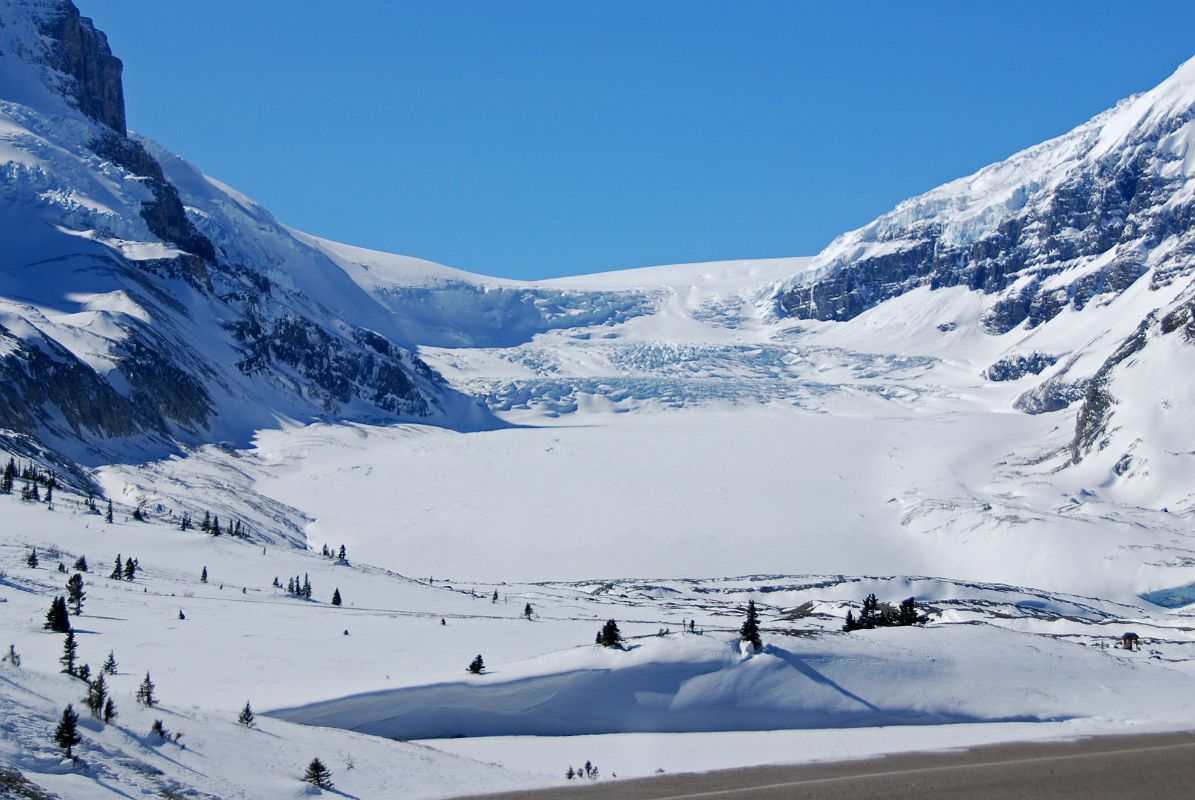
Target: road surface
<point x="1146" y="766"/>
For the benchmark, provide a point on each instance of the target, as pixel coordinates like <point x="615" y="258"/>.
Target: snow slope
<point x="399" y="670"/>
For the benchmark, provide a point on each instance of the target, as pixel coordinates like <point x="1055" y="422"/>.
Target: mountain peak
<point x="51" y="53"/>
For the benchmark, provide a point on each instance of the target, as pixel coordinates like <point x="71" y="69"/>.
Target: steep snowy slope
<point x="143" y="305"/>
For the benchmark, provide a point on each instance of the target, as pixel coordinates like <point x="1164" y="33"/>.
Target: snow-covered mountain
<point x="1052" y="237"/>
<point x="145" y="305"/>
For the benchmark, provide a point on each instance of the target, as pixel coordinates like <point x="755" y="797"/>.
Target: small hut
<point x="1130" y="641"/>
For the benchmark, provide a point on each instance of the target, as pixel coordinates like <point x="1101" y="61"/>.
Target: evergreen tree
<point x="81" y="564"/>
<point x="341" y="555"/>
<point x="336" y="596"/>
<point x="870" y="617"/>
<point x="318" y="775"/>
<point x="907" y="615"/>
<point x="83" y="673"/>
<point x="570" y="774"/>
<point x="609" y="635"/>
<point x="306" y="587"/>
<point x="494" y="599"/>
<point x="31" y="560"/>
<point x="110" y="663"/>
<point x="130" y="568"/>
<point x="160" y="730"/>
<point x="109" y="711"/>
<point x="69" y="650"/>
<point x="206" y="525"/>
<point x="851" y="624"/>
<point x="246" y="716"/>
<point x="12" y="657"/>
<point x="203" y="576"/>
<point x="108" y="514"/>
<point x="215" y="529"/>
<point x="138" y="514"/>
<point x="57" y="619"/>
<point x="118" y="570"/>
<point x="6" y="481"/>
<point x="50" y="494"/>
<point x="290" y="585"/>
<point x="185" y="521"/>
<point x="75" y="594"/>
<point x="145" y="692"/>
<point x="325" y="552"/>
<point x="97" y="695"/>
<point x="477" y="665"/>
<point x="750" y="630"/>
<point x="527" y="611"/>
<point x="67" y="733"/>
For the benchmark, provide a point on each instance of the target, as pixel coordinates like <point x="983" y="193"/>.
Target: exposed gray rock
<point x="1091" y="424"/>
<point x="81" y="52"/>
<point x="1051" y="395"/>
<point x="1011" y="368"/>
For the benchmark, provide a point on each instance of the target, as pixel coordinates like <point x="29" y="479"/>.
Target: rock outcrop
<point x="81" y="52"/>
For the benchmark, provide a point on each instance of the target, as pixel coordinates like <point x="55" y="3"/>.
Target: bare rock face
<point x="81" y="52"/>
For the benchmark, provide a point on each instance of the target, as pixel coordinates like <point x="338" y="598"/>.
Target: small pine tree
<point x="494" y="599"/>
<point x="118" y="569"/>
<point x="246" y="717"/>
<point x="109" y="711"/>
<point x="57" y="619"/>
<point x="109" y="663"/>
<point x="130" y="568"/>
<point x="336" y="596"/>
<point x="145" y="692"/>
<point x="159" y="729"/>
<point x="97" y="696"/>
<point x="527" y="611"/>
<point x="609" y="635"/>
<point x="6" y="482"/>
<point x="570" y="774"/>
<point x="12" y="657"/>
<point x="83" y="673"/>
<point x="870" y="617"/>
<point x="290" y="585"/>
<point x="318" y="775"/>
<point x="81" y="564"/>
<point x="750" y="630"/>
<point x="75" y="594"/>
<point x="31" y="560"/>
<point x="306" y="592"/>
<point x="477" y="665"/>
<point x="184" y="522"/>
<point x="67" y="734"/>
<point x="203" y="576"/>
<point x="342" y="555"/>
<point x="206" y="525"/>
<point x="850" y="624"/>
<point x="215" y="529"/>
<point x="70" y="649"/>
<point x="108" y="514"/>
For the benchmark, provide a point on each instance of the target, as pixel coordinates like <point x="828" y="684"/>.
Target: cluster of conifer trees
<point x="883" y="615"/>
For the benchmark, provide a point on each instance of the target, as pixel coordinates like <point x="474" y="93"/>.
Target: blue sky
<point x="550" y="138"/>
